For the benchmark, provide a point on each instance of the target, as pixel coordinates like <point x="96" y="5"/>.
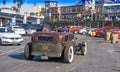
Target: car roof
<point x="52" y="33"/>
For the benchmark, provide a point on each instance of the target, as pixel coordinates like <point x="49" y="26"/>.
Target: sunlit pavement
<point x="102" y="56"/>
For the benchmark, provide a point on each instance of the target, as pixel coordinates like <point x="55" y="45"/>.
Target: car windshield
<point x="45" y="38"/>
<point x="6" y="30"/>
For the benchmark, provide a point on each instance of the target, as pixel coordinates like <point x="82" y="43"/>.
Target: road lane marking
<point x="11" y="51"/>
<point x="57" y="67"/>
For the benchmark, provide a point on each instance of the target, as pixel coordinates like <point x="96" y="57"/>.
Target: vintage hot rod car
<point x="51" y="44"/>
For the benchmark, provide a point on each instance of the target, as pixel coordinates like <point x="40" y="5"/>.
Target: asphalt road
<point x="102" y="56"/>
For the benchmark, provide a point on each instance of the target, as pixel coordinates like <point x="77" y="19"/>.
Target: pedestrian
<point x="93" y="34"/>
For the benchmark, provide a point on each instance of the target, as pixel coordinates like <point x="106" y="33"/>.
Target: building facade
<point x="111" y="12"/>
<point x="65" y="13"/>
<point x="8" y="10"/>
<point x="88" y="10"/>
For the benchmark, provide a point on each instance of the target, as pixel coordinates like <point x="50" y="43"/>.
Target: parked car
<point x="30" y="30"/>
<point x="118" y="34"/>
<point x="7" y="36"/>
<point x="52" y="44"/>
<point x="18" y="29"/>
<point x="89" y="30"/>
<point x="110" y="29"/>
<point x="74" y="29"/>
<point x="83" y="31"/>
<point x="61" y="29"/>
<point x="100" y="32"/>
<point x="43" y="27"/>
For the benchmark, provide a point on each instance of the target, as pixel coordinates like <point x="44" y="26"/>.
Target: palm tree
<point x="4" y="2"/>
<point x="19" y="4"/>
<point x="34" y="7"/>
<point x="15" y="9"/>
<point x="18" y="1"/>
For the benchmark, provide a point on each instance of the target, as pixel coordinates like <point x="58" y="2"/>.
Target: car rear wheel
<point x="83" y="33"/>
<point x="84" y="50"/>
<point x="68" y="54"/>
<point x="27" y="52"/>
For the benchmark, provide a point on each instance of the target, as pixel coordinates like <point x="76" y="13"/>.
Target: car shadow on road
<point x="20" y="56"/>
<point x="116" y="70"/>
<point x="117" y="51"/>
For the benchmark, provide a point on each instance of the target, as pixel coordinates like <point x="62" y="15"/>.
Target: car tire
<point x="1" y="42"/>
<point x="27" y="52"/>
<point x="84" y="50"/>
<point x="83" y="33"/>
<point x="68" y="54"/>
<point x="99" y="35"/>
<point x="75" y="32"/>
<point x="18" y="44"/>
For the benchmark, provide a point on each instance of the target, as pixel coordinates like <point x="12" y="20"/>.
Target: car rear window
<point x="45" y="38"/>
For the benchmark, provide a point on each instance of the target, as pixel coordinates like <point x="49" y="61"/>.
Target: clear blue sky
<point x="42" y="1"/>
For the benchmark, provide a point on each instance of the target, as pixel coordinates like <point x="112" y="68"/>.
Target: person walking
<point x="93" y="34"/>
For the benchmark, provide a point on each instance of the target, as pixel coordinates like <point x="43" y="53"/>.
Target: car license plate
<point x="44" y="57"/>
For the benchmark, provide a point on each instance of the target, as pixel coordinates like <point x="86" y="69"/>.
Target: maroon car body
<point x="51" y="44"/>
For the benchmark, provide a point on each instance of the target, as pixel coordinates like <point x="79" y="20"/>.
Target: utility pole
<point x="102" y="9"/>
<point x="59" y="13"/>
<point x="93" y="9"/>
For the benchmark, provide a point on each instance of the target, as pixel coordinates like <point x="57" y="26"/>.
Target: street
<point x="102" y="56"/>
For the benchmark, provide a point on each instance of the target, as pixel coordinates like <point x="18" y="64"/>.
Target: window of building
<point x="64" y="10"/>
<point x="68" y="9"/>
<point x="52" y="10"/>
<point x="73" y="9"/>
<point x="78" y="9"/>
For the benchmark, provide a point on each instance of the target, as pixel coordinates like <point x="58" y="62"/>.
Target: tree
<point x="18" y="1"/>
<point x="34" y="7"/>
<point x="19" y="4"/>
<point x="32" y="14"/>
<point x="15" y="8"/>
<point x="4" y="2"/>
<point x="42" y="12"/>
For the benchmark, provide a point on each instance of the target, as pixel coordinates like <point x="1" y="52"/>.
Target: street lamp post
<point x="59" y="13"/>
<point x="93" y="9"/>
<point x="94" y="15"/>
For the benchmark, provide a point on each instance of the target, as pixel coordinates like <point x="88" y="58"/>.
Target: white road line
<point x="11" y="51"/>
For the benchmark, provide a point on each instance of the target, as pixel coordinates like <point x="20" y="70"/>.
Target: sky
<point x="42" y="1"/>
<point x="28" y="4"/>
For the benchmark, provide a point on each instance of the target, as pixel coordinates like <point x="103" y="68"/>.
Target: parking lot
<point x="102" y="56"/>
